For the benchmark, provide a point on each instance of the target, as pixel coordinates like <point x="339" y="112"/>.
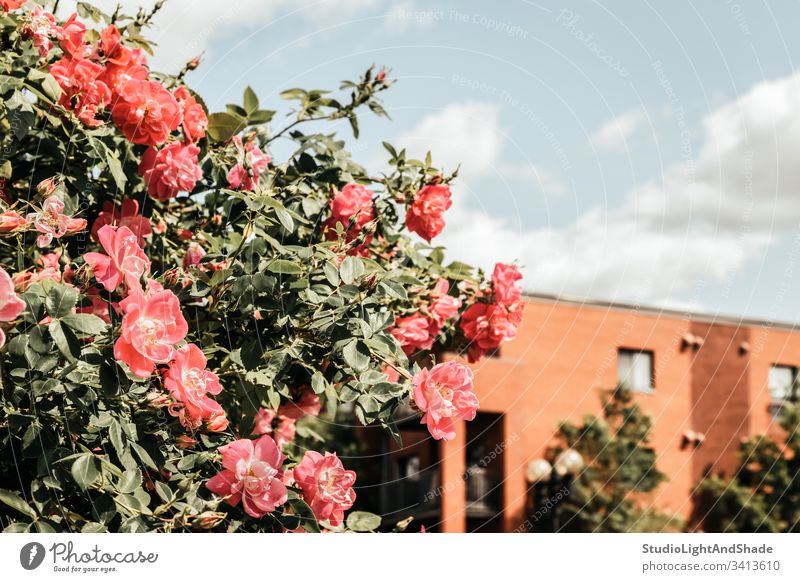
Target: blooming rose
<point x="415" y="332"/>
<point x="443" y="393"/>
<point x="151" y="326"/>
<point x="247" y="156"/>
<point x="444" y="306"/>
<point x="190" y="383"/>
<point x="125" y="259"/>
<point x="487" y="325"/>
<point x="504" y="278"/>
<point x="122" y="63"/>
<point x="282" y="428"/>
<point x="9" y="5"/>
<point x="71" y="35"/>
<point x="170" y="170"/>
<point x="145" y="112"/>
<point x="49" y="270"/>
<point x="52" y="223"/>
<point x="327" y="486"/>
<point x="11" y="221"/>
<point x="424" y="217"/>
<point x="127" y="215"/>
<point x="308" y="405"/>
<point x="252" y="474"/>
<point x="194" y="254"/>
<point x="41" y="26"/>
<point x="353" y="209"/>
<point x="10" y="305"/>
<point x="83" y="91"/>
<point x="193" y="116"/>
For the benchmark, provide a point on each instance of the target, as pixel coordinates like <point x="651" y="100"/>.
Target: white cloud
<point x="615" y="133"/>
<point x="699" y="225"/>
<point x="462" y="133"/>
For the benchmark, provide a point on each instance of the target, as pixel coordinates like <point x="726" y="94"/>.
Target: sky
<point x="641" y="152"/>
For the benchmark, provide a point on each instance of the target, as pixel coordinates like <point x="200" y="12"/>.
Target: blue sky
<point x="631" y="151"/>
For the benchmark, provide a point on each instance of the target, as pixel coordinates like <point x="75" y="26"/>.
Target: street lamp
<point x="551" y="486"/>
<point x="538" y="470"/>
<point x="569" y="462"/>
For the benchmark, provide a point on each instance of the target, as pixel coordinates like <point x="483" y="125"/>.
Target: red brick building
<point x="718" y="376"/>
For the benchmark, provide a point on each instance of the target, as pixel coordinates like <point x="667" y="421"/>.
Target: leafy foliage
<point x="764" y="494"/>
<point x="279" y="302"/>
<point x="619" y="464"/>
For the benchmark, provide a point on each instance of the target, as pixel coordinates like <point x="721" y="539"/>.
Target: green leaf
<point x="65" y="340"/>
<point x="250" y="100"/>
<point x="284" y="267"/>
<point x="14" y="501"/>
<point x="164" y="492"/>
<point x="115" y="168"/>
<point x="85" y="323"/>
<point x="85" y="470"/>
<point x="356" y="355"/>
<point x="363" y="521"/>
<point x="222" y="126"/>
<point x="130" y="481"/>
<point x="352" y="268"/>
<point x="51" y="88"/>
<point x="60" y="300"/>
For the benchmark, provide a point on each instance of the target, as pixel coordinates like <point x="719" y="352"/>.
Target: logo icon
<point x="31" y="555"/>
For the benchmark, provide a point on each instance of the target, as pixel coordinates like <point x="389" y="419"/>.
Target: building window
<point x="635" y="369"/>
<point x="783" y="387"/>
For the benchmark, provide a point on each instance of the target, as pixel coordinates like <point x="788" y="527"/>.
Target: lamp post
<point x="548" y="482"/>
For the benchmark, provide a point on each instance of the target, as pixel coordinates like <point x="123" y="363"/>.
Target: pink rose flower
<point x="83" y="91"/>
<point x="11" y="221"/>
<point x="443" y="393"/>
<point x="9" y="5"/>
<point x="504" y="279"/>
<point x="194" y="118"/>
<point x="170" y="170"/>
<point x="425" y="216"/>
<point x="125" y="259"/>
<point x="487" y="325"/>
<point x="415" y="332"/>
<point x="190" y="383"/>
<point x="250" y="163"/>
<point x="41" y="26"/>
<point x="444" y="306"/>
<point x="52" y="223"/>
<point x="72" y="35"/>
<point x="146" y="112"/>
<point x="252" y="474"/>
<point x="10" y="305"/>
<point x="127" y="215"/>
<point x="308" y="405"/>
<point x="122" y="63"/>
<point x="151" y="326"/>
<point x="194" y="254"/>
<point x="282" y="428"/>
<point x="327" y="486"/>
<point x="353" y="204"/>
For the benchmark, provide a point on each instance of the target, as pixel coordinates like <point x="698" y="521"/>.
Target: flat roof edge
<point x="719" y="319"/>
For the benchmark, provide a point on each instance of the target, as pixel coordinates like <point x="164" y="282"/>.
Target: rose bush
<point x="175" y="303"/>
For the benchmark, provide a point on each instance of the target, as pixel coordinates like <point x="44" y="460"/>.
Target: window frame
<point x="777" y="405"/>
<point x="638" y="351"/>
